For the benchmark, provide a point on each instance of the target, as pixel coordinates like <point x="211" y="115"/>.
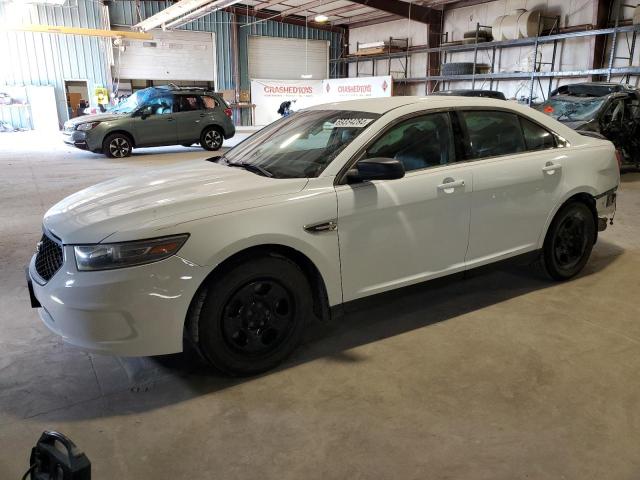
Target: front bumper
<point x="80" y="139"/>
<point x="136" y="311"/>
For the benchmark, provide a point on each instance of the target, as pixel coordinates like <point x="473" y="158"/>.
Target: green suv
<point x="154" y="117"/>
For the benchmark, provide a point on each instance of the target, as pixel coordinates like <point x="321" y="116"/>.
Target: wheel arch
<point x="579" y="195"/>
<point x="122" y="132"/>
<point x="312" y="273"/>
<point x="214" y="126"/>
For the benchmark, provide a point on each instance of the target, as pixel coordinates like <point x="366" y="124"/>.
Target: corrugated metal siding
<point x="124" y="13"/>
<point x="50" y="59"/>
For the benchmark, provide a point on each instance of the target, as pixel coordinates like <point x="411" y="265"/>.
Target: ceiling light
<point x="306" y="76"/>
<point x="321" y="18"/>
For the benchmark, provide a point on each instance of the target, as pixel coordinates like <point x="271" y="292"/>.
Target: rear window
<point x="536" y="137"/>
<point x="492" y="133"/>
<point x="210" y="102"/>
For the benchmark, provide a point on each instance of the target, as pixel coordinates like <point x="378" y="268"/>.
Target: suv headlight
<point x="127" y="254"/>
<point x="87" y="126"/>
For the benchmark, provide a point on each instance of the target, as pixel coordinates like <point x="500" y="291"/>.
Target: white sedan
<point x="332" y="204"/>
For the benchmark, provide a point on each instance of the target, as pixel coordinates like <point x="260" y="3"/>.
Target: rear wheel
<point x="211" y="139"/>
<point x="252" y="318"/>
<point x="569" y="241"/>
<point x="117" y="145"/>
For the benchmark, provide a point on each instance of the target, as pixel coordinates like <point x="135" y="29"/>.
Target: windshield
<point x="573" y="108"/>
<point x="137" y="100"/>
<point x="300" y="145"/>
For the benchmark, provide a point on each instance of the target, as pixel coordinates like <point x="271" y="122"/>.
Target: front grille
<point x="49" y="258"/>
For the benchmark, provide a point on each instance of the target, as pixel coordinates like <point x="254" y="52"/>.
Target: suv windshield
<point x="139" y="99"/>
<point x="573" y="108"/>
<point x="300" y="145"/>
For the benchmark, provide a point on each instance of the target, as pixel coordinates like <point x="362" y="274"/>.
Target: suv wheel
<point x="569" y="241"/>
<point x="252" y="318"/>
<point x="117" y="145"/>
<point x="211" y="139"/>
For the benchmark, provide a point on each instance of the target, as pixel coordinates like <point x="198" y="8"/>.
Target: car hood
<point x="161" y="199"/>
<point x="98" y="117"/>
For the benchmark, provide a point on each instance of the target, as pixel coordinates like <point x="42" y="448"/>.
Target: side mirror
<point x="375" y="169"/>
<point x="143" y="112"/>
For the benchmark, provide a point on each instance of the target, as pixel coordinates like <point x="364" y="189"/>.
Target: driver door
<point x="155" y="123"/>
<point x="395" y="233"/>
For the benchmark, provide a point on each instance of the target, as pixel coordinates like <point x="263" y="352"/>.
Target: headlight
<point x="127" y="254"/>
<point x="87" y="126"/>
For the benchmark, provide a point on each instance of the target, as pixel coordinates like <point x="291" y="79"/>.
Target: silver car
<point x="154" y="117"/>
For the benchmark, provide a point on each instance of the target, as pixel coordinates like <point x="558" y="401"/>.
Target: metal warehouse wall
<point x="50" y="59"/>
<point x="123" y="13"/>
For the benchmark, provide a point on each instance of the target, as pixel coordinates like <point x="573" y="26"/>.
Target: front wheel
<point x="252" y="318"/>
<point x="569" y="241"/>
<point x="117" y="145"/>
<point x="211" y="139"/>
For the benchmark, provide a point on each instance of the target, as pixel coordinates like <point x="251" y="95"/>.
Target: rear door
<point x="517" y="181"/>
<point x="190" y="116"/>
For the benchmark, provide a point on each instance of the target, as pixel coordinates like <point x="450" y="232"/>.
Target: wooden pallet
<point x="377" y="51"/>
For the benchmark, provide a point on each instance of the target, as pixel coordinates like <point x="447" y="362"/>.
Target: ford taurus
<point x="333" y="204"/>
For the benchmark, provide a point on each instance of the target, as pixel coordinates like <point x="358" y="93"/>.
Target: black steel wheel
<point x="211" y="139"/>
<point x="117" y="145"/>
<point x="569" y="241"/>
<point x="252" y="317"/>
<point x="258" y="317"/>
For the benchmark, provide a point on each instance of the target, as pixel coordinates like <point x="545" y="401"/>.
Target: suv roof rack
<point x="173" y="86"/>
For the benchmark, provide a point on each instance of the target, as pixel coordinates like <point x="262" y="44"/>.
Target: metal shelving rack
<point x="613" y="34"/>
<point x="388" y="55"/>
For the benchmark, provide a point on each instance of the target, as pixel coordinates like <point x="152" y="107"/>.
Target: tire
<point x="117" y="145"/>
<point x="252" y="317"/>
<point x="211" y="139"/>
<point x="457" y="68"/>
<point x="569" y="242"/>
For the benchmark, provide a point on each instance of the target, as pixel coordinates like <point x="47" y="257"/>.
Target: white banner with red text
<point x="339" y="89"/>
<point x="268" y="95"/>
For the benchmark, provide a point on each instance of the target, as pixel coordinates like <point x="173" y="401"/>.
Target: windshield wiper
<point x="251" y="167"/>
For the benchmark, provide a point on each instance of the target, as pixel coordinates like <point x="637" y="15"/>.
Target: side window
<point x="189" y="103"/>
<point x="536" y="137"/>
<point x="209" y="102"/>
<point x="419" y="142"/>
<point x="160" y="105"/>
<point x="492" y="133"/>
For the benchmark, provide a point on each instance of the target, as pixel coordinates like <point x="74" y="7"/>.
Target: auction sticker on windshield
<point x="352" y="122"/>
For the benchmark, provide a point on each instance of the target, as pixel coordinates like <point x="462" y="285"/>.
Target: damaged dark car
<point x="609" y="109"/>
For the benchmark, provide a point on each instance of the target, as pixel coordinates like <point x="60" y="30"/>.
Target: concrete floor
<point x="501" y="376"/>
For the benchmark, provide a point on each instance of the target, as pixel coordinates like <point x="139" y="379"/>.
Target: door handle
<point x="202" y="115"/>
<point x="449" y="187"/>
<point x="170" y="119"/>
<point x="551" y="168"/>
